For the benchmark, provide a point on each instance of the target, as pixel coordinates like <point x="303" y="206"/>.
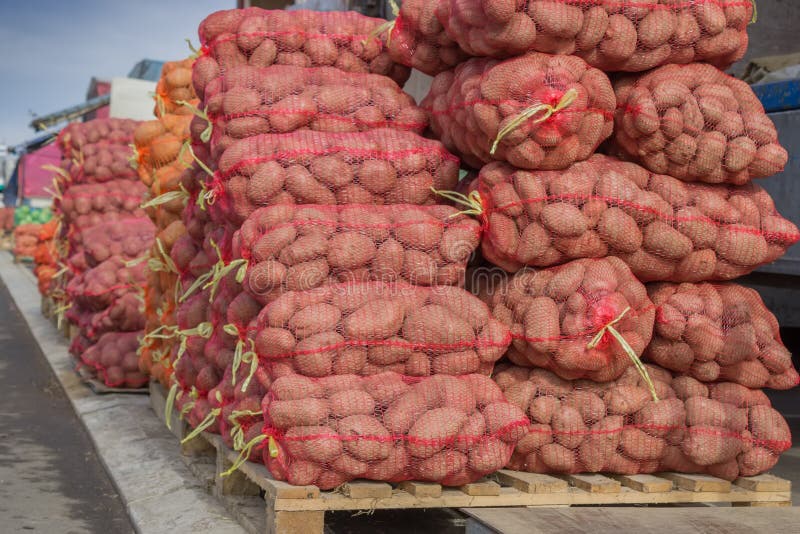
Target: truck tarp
<point x="32" y="178"/>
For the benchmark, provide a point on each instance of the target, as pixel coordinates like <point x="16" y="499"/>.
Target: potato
<point x="316" y="443"/>
<point x="364" y="437"/>
<point x="433" y="430"/>
<point x="301" y="412"/>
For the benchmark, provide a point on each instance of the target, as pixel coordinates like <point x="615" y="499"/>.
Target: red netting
<point x="722" y="429"/>
<point x="77" y="135"/>
<point x="99" y="287"/>
<point x="613" y="35"/>
<point x="298" y="248"/>
<point x="97" y="163"/>
<point x="695" y="123"/>
<point x="664" y="229"/>
<point x="326" y="431"/>
<point x="378" y="167"/>
<point x="719" y="332"/>
<point x="418" y="40"/>
<point x="127" y="239"/>
<point x="247" y="101"/>
<point x="115" y="361"/>
<point x="561" y="318"/>
<point x="123" y="314"/>
<point x="261" y="38"/>
<point x="371" y="327"/>
<point x="535" y="111"/>
<point x="83" y="206"/>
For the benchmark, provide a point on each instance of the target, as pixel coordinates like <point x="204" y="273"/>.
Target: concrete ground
<point x="51" y="479"/>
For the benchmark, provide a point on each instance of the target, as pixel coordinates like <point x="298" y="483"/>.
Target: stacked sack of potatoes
<point x="45" y="254"/>
<point x="330" y="338"/>
<point x="162" y="157"/>
<point x="101" y="237"/>
<point x="616" y="259"/>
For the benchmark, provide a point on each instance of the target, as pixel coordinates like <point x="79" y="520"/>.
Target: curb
<point x="140" y="455"/>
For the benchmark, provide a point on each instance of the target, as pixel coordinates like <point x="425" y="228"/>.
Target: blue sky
<point x="50" y="49"/>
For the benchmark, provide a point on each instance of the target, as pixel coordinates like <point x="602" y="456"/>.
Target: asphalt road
<point x="51" y="480"/>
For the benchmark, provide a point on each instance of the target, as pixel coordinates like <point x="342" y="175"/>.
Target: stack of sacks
<point x="44" y="257"/>
<point x="625" y="35"/>
<point x="104" y="234"/>
<point x="161" y="160"/>
<point x="105" y="289"/>
<point x="338" y="277"/>
<point x="624" y="252"/>
<point x="26" y="237"/>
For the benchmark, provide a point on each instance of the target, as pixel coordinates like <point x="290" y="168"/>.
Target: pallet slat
<point x="482" y="488"/>
<point x="532" y="482"/>
<point x="765" y="482"/>
<point x="594" y="483"/>
<point x="645" y="483"/>
<point x="362" y="489"/>
<point x="421" y="489"/>
<point x="698" y="483"/>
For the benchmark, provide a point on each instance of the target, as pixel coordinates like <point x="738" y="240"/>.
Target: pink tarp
<point x="32" y="178"/>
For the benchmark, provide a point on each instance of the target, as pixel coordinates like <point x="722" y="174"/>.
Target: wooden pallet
<point x="99" y="388"/>
<point x="263" y="504"/>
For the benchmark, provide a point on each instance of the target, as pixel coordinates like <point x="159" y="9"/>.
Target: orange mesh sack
<point x="261" y="38"/>
<point x="174" y="87"/>
<point x="719" y="332"/>
<point x="664" y="229"/>
<point x="586" y="319"/>
<point x="535" y="111"/>
<point x="695" y="123"/>
<point x="297" y="248"/>
<point x="115" y="361"/>
<point x="326" y="431"/>
<point x="721" y="429"/>
<point x="377" y="167"/>
<point x="371" y="327"/>
<point x="418" y="40"/>
<point x="618" y="35"/>
<point x="26" y="238"/>
<point x="159" y="153"/>
<point x="246" y="101"/>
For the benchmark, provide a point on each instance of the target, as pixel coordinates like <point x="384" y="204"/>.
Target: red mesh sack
<point x="695" y="123"/>
<point x="719" y="332"/>
<point x="261" y="38"/>
<point x="619" y="35"/>
<point x="87" y="205"/>
<point x="174" y="87"/>
<point x="664" y="229"/>
<point x="75" y="136"/>
<point x="127" y="239"/>
<point x="247" y="101"/>
<point x="98" y="163"/>
<point x="372" y="327"/>
<point x="721" y="429"/>
<point x="377" y="167"/>
<point x="535" y="111"/>
<point x="115" y="361"/>
<point x="586" y="319"/>
<point x="123" y="314"/>
<point x="97" y="288"/>
<point x="418" y="39"/>
<point x="326" y="431"/>
<point x="298" y="248"/>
